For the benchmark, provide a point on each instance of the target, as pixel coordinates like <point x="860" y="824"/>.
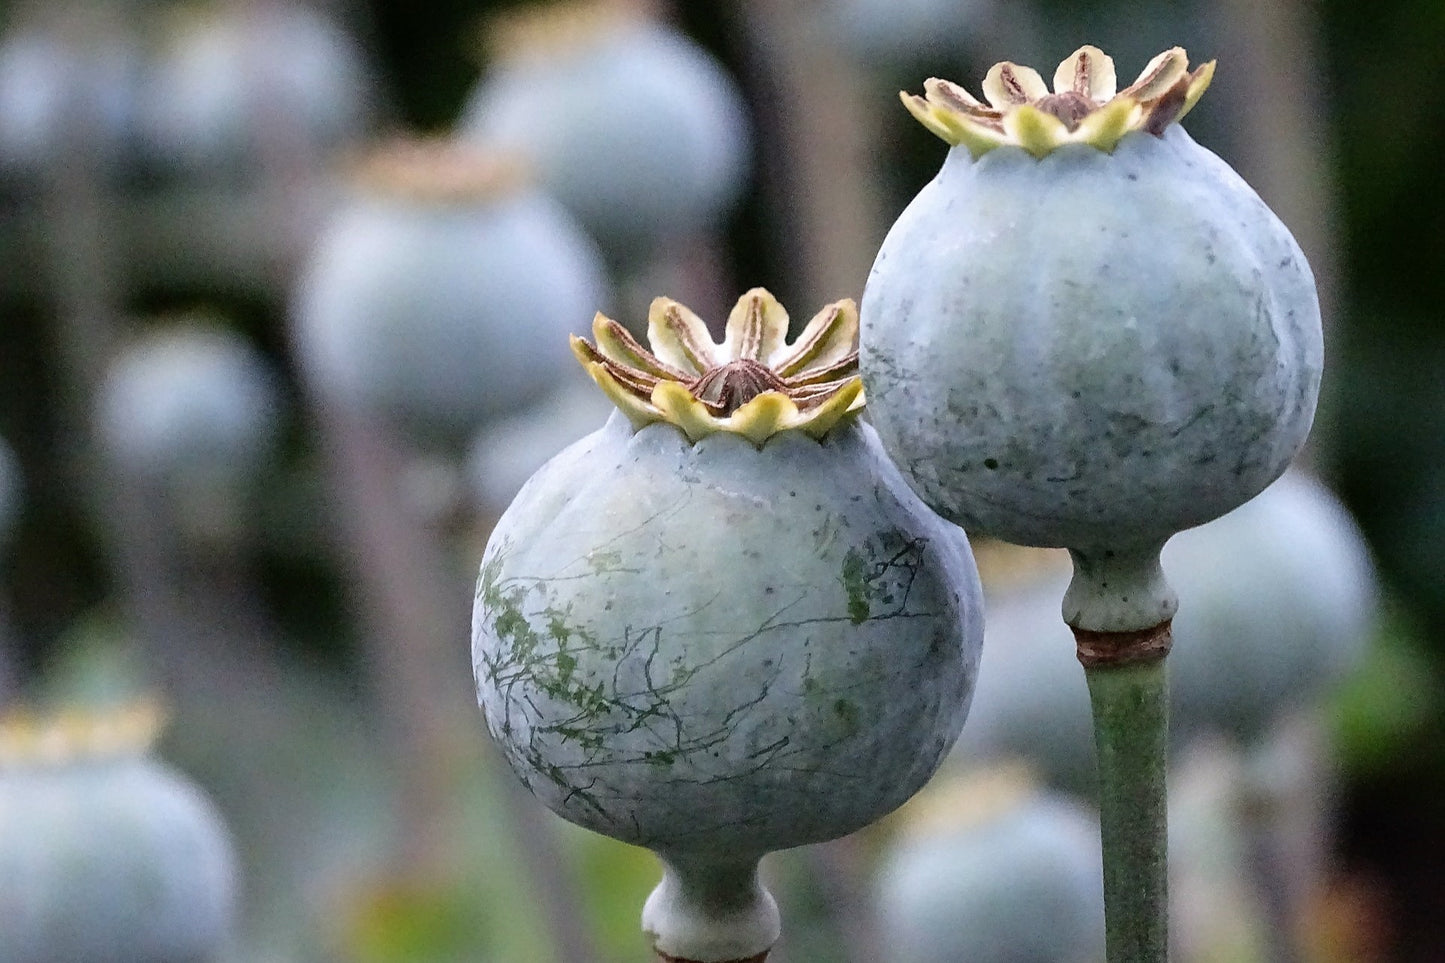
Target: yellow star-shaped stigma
<point x="755" y="383"/>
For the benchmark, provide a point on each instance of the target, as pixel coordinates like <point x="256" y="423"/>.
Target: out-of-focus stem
<point x="7" y="646"/>
<point x="1285" y="146"/>
<point x="1284" y="801"/>
<point x="408" y="620"/>
<point x="1129" y="692"/>
<point x="822" y="175"/>
<point x="87" y="285"/>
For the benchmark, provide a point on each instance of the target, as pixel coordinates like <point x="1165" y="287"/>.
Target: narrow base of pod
<point x="711" y="908"/>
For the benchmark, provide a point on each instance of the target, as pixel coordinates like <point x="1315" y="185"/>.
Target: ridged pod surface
<point x="1062" y="348"/>
<point x="720" y="646"/>
<point x="1087" y="332"/>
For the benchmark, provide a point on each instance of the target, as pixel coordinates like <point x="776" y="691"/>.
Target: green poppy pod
<point x="107" y="856"/>
<point x="722" y="624"/>
<point x="1087" y="331"/>
<point x="440" y="294"/>
<point x="226" y="82"/>
<point x="637" y="130"/>
<point x="69" y="80"/>
<point x="1279" y="604"/>
<point x="190" y="402"/>
<point x="988" y="868"/>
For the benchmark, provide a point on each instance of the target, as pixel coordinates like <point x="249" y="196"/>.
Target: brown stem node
<point x="1111" y="649"/>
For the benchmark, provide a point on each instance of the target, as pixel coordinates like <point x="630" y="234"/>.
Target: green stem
<point x="1130" y="702"/>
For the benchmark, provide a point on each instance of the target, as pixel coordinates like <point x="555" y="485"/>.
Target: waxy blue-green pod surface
<point x="718" y="630"/>
<point x="677" y="640"/>
<point x="1087" y="331"/>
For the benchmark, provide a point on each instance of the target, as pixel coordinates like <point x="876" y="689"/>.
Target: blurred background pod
<point x="637" y="130"/>
<point x="1281" y="604"/>
<point x="245" y="108"/>
<point x="227" y="79"/>
<point x="438" y="296"/>
<point x="71" y="77"/>
<point x="107" y="854"/>
<point x="989" y="867"/>
<point x="191" y="412"/>
<point x="507" y="451"/>
<point x="441" y="292"/>
<point x="55" y="56"/>
<point x="189" y="419"/>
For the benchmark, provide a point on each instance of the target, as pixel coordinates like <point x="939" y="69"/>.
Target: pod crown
<point x="1085" y="106"/>
<point x="755" y="383"/>
<point x="71" y="735"/>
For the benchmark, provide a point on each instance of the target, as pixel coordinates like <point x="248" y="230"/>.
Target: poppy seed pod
<point x="1283" y="585"/>
<point x="191" y="401"/>
<point x="636" y="129"/>
<point x="1087" y="331"/>
<point x="106" y="856"/>
<point x="227" y="82"/>
<point x="1280" y="604"/>
<point x="989" y="868"/>
<point x="70" y="79"/>
<point x="441" y="292"/>
<point x="722" y="624"/>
